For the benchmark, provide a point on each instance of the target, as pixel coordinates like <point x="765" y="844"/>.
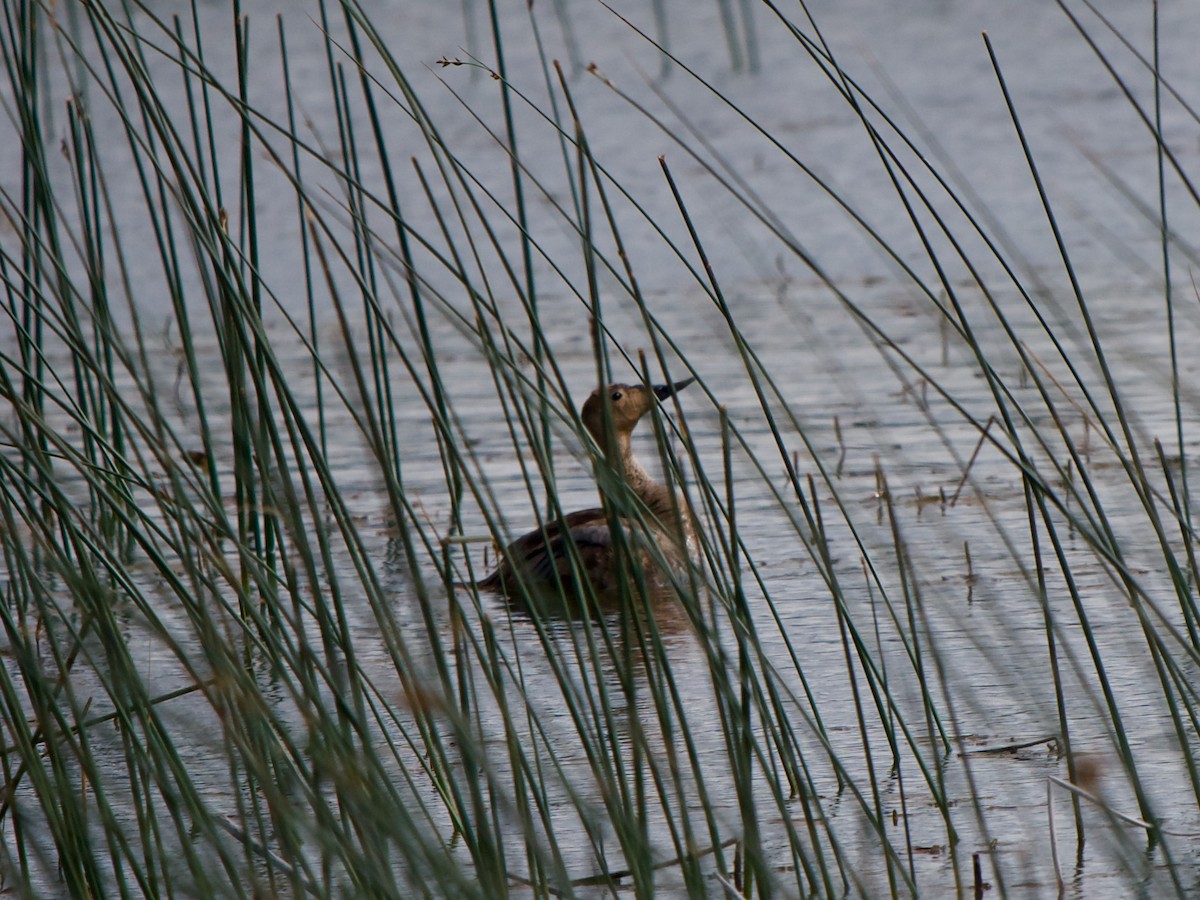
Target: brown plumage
<point x="541" y="559"/>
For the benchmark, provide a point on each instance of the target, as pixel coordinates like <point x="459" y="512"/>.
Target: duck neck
<point x="658" y="497"/>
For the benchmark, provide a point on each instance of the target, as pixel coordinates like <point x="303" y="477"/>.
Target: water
<point x="858" y="407"/>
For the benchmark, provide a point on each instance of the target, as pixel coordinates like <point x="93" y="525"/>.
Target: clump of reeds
<point x="242" y="653"/>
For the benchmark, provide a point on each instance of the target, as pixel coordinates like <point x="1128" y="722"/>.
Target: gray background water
<point x="1090" y="147"/>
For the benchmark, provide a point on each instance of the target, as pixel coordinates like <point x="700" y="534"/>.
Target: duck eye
<point x="616" y="395"/>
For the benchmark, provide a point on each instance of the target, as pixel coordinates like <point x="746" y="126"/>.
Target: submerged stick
<point x="611" y="877"/>
<point x="971" y="462"/>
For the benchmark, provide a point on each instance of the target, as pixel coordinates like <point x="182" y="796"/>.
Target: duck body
<point x="581" y="545"/>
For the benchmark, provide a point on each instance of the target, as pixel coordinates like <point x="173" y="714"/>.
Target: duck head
<point x="628" y="402"/>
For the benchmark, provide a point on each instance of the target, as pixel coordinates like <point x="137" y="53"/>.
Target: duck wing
<point x="543" y="552"/>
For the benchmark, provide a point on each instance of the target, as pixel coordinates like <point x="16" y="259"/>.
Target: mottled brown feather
<point x="543" y="557"/>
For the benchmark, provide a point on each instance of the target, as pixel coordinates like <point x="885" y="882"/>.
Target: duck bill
<point x="663" y="391"/>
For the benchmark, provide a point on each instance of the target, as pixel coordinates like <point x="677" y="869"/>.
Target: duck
<point x="542" y="559"/>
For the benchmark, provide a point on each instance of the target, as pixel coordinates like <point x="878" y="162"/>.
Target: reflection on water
<point x="658" y="602"/>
